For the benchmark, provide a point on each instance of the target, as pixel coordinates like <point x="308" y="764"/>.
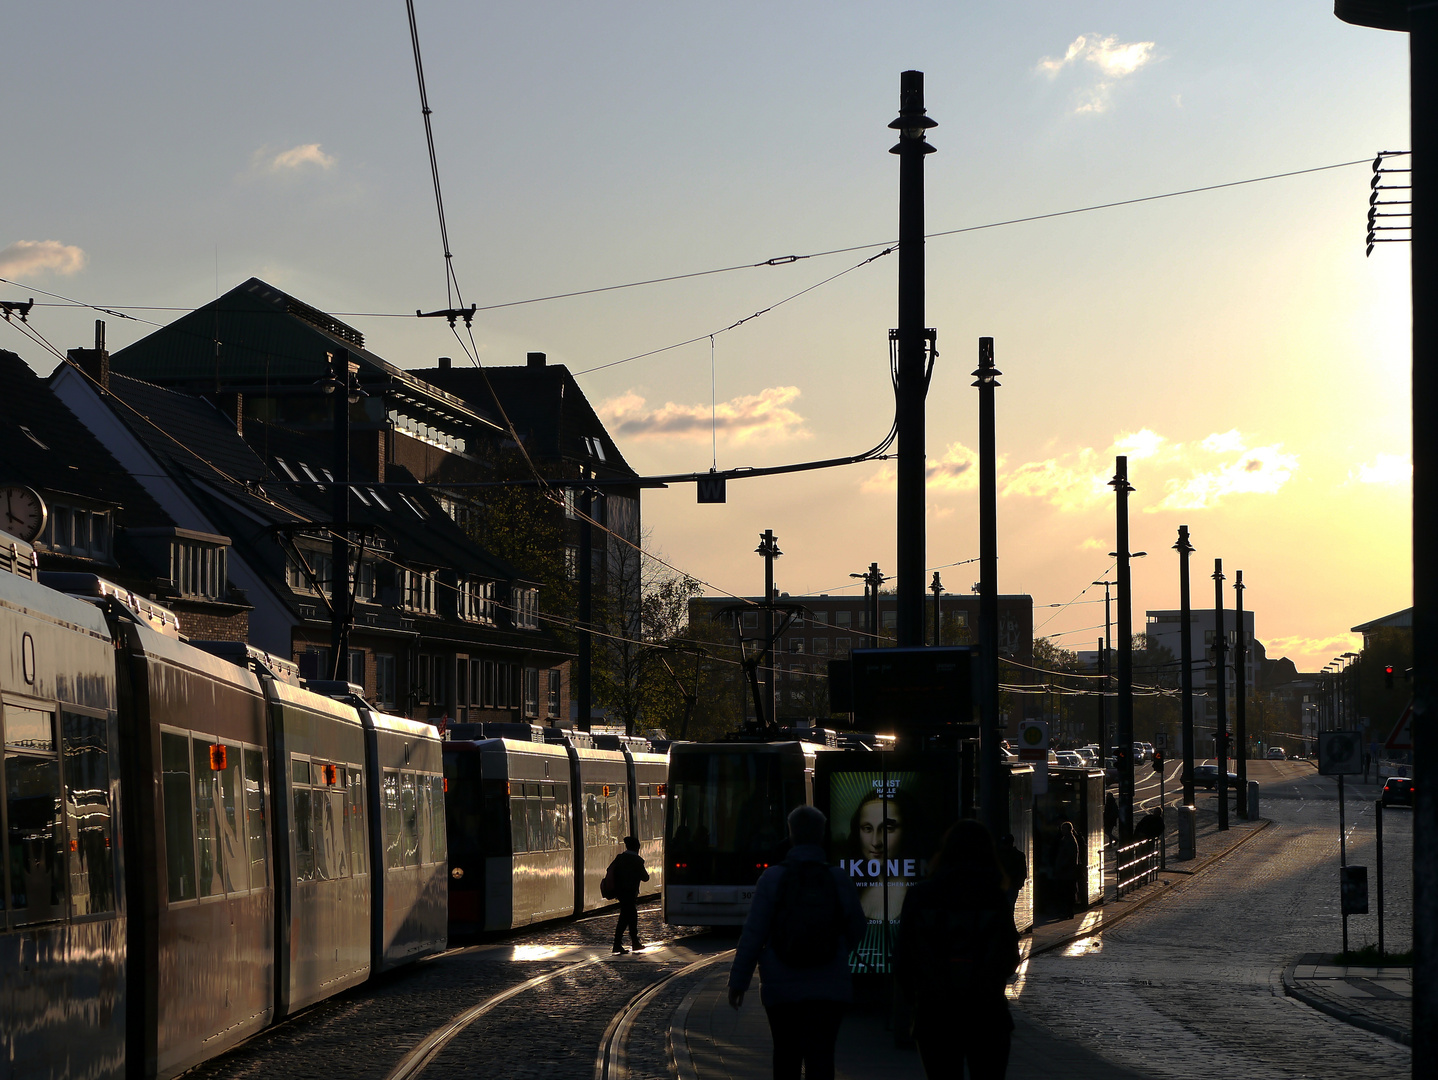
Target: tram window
<point x="393" y="852"/>
<point x="36" y="827"/>
<point x="322" y="806"/>
<point x="208" y="880"/>
<point x="87" y="805"/>
<point x="561" y="816"/>
<point x="410" y="805"/>
<point x="518" y="825"/>
<point x="355" y="815"/>
<point x="303" y="824"/>
<point x="232" y="845"/>
<point x="179" y="818"/>
<point x="548" y="816"/>
<point x="438" y="848"/>
<point x="533" y="812"/>
<point x="255" y="817"/>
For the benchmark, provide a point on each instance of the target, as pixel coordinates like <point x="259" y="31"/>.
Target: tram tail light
<point x="219" y="758"/>
<point x="681" y="866"/>
<point x="762" y="865"/>
<point x="331" y="775"/>
<point x="661" y="790"/>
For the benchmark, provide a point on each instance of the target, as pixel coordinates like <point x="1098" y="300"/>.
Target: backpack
<point x="959" y="953"/>
<point x="808" y="917"/>
<point x="607" y="884"/>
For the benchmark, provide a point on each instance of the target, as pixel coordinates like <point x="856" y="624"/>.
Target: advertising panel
<point x="884" y="826"/>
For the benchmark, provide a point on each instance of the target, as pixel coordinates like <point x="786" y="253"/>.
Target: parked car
<point x="1398" y="789"/>
<point x="1206" y="776"/>
<point x="1277" y="753"/>
<point x="1089" y="755"/>
<point x="1070" y="759"/>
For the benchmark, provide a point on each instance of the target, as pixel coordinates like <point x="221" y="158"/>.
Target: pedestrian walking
<point x="956" y="950"/>
<point x="1066" y="869"/>
<point x="802" y="925"/>
<point x="624" y="875"/>
<point x="1110" y="816"/>
<point x="1015" y="868"/>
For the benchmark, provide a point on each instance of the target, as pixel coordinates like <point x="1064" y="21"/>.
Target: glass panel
<point x="29" y="729"/>
<point x="255" y="817"/>
<point x="533" y="829"/>
<point x="208" y="880"/>
<point x="393" y="821"/>
<point x="323" y="824"/>
<point x="87" y="807"/>
<point x="335" y="823"/>
<point x="179" y="820"/>
<point x="438" y="848"/>
<point x="36" y="835"/>
<point x="549" y="819"/>
<point x="233" y="845"/>
<point x="562" y="816"/>
<point x="410" y="809"/>
<point x="355" y="812"/>
<point x="518" y="826"/>
<point x="303" y="823"/>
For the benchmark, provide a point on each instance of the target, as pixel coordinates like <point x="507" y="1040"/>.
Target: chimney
<point x="536" y="359"/>
<point x="94" y="362"/>
<point x="444" y="363"/>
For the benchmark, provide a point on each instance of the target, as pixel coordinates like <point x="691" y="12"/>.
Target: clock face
<point x="22" y="512"/>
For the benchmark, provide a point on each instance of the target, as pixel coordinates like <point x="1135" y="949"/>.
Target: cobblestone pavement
<point x="1377" y="998"/>
<point x="1191" y="984"/>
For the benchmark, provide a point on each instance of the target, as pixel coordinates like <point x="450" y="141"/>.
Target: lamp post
<point x="769" y="549"/>
<point x="1185" y="668"/>
<point x="1105" y="661"/>
<point x="343" y="385"/>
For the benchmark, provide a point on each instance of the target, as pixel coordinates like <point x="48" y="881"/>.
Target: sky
<point x="1235" y="344"/>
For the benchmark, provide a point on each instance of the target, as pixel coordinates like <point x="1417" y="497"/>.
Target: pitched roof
<point x="546" y="407"/>
<point x="44" y="445"/>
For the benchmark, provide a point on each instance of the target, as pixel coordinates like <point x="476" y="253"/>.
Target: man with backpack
<point x="804" y="921"/>
<point x="622" y="880"/>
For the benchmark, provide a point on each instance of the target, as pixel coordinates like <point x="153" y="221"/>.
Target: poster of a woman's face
<point x="877" y="829"/>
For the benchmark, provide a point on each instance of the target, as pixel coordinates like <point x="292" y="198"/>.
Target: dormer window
<point x="417" y="590"/>
<point x="526" y="609"/>
<point x="198" y="569"/>
<point x="73" y="531"/>
<point x="476" y="601"/>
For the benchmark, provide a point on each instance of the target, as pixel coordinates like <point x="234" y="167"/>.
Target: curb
<point x="1144" y="901"/>
<point x="1293" y="990"/>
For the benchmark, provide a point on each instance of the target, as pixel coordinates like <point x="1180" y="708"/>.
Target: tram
<point x="194" y="845"/>
<point x="727" y="822"/>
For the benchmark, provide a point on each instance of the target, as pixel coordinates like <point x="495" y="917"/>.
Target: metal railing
<point x="1136" y="865"/>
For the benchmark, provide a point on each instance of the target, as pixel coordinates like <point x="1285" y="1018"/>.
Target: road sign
<point x="1033" y="740"/>
<point x="1402" y="737"/>
<point x="1340" y="753"/>
<point x="1160" y="740"/>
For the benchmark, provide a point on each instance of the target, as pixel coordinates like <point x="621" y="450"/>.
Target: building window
<point x="571" y="562"/>
<point x="889" y="619"/>
<point x="526" y="609"/>
<point x="386" y="686"/>
<point x="796" y="645"/>
<point x="821" y="646"/>
<point x="842" y="646"/>
<point x="820" y="618"/>
<point x="73" y="531"/>
<point x="553" y="701"/>
<point x="357" y="667"/>
<point x="430" y="681"/>
<point x="476" y="601"/>
<point x="322" y="567"/>
<point x="531" y="693"/>
<point x="198" y="569"/>
<point x="418" y="590"/>
<point x="843" y="618"/>
<point x="751" y="620"/>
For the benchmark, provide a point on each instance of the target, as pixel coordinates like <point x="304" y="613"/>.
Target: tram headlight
<point x="457" y="873"/>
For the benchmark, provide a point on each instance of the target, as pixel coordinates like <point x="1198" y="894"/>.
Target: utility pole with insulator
<point x="769" y="549"/>
<point x="937" y="588"/>
<point x="912" y="379"/>
<point x="1185" y="663"/>
<point x="585" y="663"/>
<point x="1421" y="23"/>
<point x="1121" y="488"/>
<point x="1220" y="646"/>
<point x="344" y="387"/>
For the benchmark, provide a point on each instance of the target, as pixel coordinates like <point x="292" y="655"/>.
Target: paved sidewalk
<point x="1378" y="999"/>
<point x="711" y="1041"/>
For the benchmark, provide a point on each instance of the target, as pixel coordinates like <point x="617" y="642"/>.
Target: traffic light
<point x="1388" y="676"/>
<point x="1158" y="762"/>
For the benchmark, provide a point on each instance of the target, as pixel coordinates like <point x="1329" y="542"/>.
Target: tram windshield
<point x="735" y="803"/>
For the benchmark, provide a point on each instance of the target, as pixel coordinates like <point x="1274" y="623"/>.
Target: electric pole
<point x="912" y="379"/>
<point x="585" y="695"/>
<point x="1220" y="646"/>
<point x="993" y="805"/>
<point x="1185" y="664"/>
<point x="1121" y="488"/>
<point x="1105" y="667"/>
<point x="1240" y="687"/>
<point x="937" y="588"/>
<point x="769" y="549"/>
<point x="343" y="386"/>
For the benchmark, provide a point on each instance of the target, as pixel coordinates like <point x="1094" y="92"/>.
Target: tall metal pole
<point x="1121" y="488"/>
<point x="1106" y="667"/>
<point x="937" y="588"/>
<point x="585" y="695"/>
<point x="992" y="804"/>
<point x="1185" y="668"/>
<point x="340" y="600"/>
<point x="1220" y="646"/>
<point x="912" y="379"/>
<point x="1102" y="703"/>
<point x="1240" y="687"/>
<point x="875" y="581"/>
<point x="769" y="549"/>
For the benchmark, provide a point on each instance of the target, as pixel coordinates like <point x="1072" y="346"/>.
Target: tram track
<point x="612" y="1060"/>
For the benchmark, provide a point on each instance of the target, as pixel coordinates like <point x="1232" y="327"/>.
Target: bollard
<point x="1253" y="800"/>
<point x="1187" y="820"/>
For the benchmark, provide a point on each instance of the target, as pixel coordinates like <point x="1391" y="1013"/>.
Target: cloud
<point x="1140" y="444"/>
<point x="1391" y="469"/>
<point x="1229" y="442"/>
<point x="295" y="158"/>
<point x="1312" y="653"/>
<point x="1073" y="482"/>
<point x="765" y="415"/>
<point x="956" y="470"/>
<point x="1093" y="543"/>
<point x="1261" y="470"/>
<point x="1112" y="59"/>
<point x="25" y="257"/>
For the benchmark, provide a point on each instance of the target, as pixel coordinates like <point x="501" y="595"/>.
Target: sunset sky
<point x="1235" y="344"/>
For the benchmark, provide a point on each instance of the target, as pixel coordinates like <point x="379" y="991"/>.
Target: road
<point x="1190" y="985"/>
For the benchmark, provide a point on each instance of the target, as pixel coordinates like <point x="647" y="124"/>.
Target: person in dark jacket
<point x="804" y="1004"/>
<point x="956" y="950"/>
<point x="1015" y="868"/>
<point x="1066" y="869"/>
<point x="627" y="872"/>
<point x="1110" y="815"/>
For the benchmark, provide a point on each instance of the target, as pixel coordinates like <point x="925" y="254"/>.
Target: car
<point x="1277" y="753"/>
<point x="1089" y="755"/>
<point x="1206" y="776"/>
<point x="1398" y="789"/>
<point x="1070" y="759"/>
